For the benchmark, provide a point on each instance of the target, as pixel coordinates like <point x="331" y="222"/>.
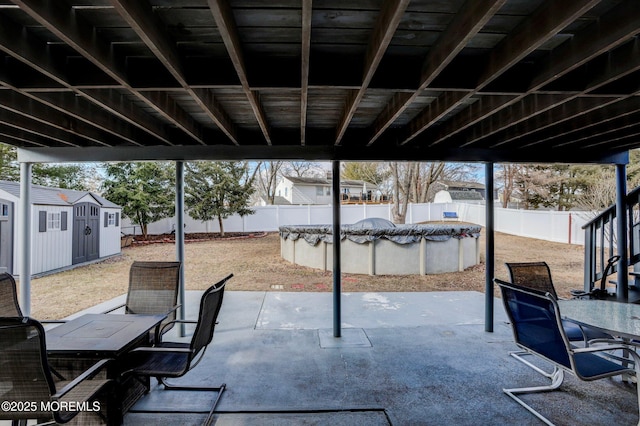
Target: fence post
<point x="410" y="212"/>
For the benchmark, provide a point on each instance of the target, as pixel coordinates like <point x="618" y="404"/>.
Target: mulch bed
<point x="196" y="237"/>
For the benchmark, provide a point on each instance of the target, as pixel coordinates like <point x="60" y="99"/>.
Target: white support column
<point x="180" y="241"/>
<point x="25" y="238"/>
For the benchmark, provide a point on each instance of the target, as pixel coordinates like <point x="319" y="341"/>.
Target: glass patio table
<point x="615" y="318"/>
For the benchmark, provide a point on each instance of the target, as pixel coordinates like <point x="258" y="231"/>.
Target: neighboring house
<point x="458" y="188"/>
<point x="317" y="190"/>
<point x="67" y="227"/>
<point x="471" y="197"/>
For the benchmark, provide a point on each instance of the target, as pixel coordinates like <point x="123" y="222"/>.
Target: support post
<point x="180" y="241"/>
<point x="337" y="285"/>
<point x="622" y="290"/>
<point x="489" y="249"/>
<point x="25" y="238"/>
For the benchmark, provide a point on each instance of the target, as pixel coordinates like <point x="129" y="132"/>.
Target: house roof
<point x="461" y="184"/>
<point x="491" y="80"/>
<point x="54" y="196"/>
<point x="465" y="195"/>
<point x="327" y="182"/>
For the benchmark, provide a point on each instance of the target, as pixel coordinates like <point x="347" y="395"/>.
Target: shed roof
<point x="491" y="80"/>
<point x="44" y="195"/>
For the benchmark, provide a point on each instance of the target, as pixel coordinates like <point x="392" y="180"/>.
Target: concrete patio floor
<point x="404" y="359"/>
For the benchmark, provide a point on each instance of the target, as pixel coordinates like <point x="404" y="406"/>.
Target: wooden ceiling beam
<point x="620" y="114"/>
<point x="621" y="62"/>
<point x="19" y="44"/>
<point x="139" y="15"/>
<point x="318" y="153"/>
<point x="464" y="26"/>
<point x="383" y="31"/>
<point x="83" y="38"/>
<point x="548" y="20"/>
<point x="40" y="129"/>
<point x="19" y="137"/>
<point x="552" y="117"/>
<point x="223" y="15"/>
<point x="41" y="114"/>
<point x="305" y="57"/>
<point x="608" y="32"/>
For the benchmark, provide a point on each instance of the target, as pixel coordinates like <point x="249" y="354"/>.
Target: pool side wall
<point x="384" y="257"/>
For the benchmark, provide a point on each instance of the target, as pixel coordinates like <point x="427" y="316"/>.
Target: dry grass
<point x="257" y="265"/>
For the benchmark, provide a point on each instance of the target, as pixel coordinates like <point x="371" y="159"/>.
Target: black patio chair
<point x="9" y="306"/>
<point x="538" y="329"/>
<point x="537" y="276"/>
<point x="153" y="289"/>
<point x="174" y="359"/>
<point x="26" y="380"/>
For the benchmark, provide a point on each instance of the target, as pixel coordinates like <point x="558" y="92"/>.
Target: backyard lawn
<point x="257" y="266"/>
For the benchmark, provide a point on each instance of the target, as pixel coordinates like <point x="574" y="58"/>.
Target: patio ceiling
<point x="490" y="80"/>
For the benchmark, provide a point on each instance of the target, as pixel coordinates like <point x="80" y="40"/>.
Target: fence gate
<point x="86" y="232"/>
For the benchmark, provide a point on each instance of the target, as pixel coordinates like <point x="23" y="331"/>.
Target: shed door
<point x="86" y="232"/>
<point x="6" y="236"/>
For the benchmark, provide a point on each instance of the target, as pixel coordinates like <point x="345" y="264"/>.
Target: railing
<point x="601" y="235"/>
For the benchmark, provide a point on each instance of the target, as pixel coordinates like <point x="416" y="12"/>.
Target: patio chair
<point x="537" y="276"/>
<point x="173" y="359"/>
<point x="9" y="306"/>
<point x="153" y="289"/>
<point x="538" y="329"/>
<point x="27" y="382"/>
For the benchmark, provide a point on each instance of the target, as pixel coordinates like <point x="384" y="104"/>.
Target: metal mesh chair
<point x="153" y="289"/>
<point x="538" y="330"/>
<point x="9" y="306"/>
<point x="171" y="359"/>
<point x="537" y="276"/>
<point x="26" y="380"/>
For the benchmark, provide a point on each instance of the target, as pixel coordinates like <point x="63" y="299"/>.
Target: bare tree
<point x="509" y="175"/>
<point x="402" y="175"/>
<point x="267" y="175"/>
<point x="302" y="168"/>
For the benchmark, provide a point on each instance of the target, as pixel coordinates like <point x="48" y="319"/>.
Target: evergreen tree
<point x="144" y="190"/>
<point x="9" y="169"/>
<point x="218" y="190"/>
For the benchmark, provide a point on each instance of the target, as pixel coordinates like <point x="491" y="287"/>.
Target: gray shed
<point x="68" y="227"/>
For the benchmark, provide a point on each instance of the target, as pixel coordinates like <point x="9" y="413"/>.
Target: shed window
<point x="53" y="221"/>
<point x="111" y="220"/>
<point x="319" y="190"/>
<point x="5" y="210"/>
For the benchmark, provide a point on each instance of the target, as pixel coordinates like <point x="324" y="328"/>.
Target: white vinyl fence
<point x="564" y="227"/>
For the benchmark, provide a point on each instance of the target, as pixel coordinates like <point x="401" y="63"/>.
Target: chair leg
<point x="519" y="355"/>
<point x="557" y="377"/>
<point x="170" y="387"/>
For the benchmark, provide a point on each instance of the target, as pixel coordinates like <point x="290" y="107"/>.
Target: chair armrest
<point x="609" y="347"/>
<point x="175" y="308"/>
<point x="88" y="374"/>
<point x="157" y="349"/>
<point x="176" y="321"/>
<point x="113" y="309"/>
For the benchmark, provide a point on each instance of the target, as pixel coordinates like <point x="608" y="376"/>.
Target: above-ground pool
<point x="378" y="247"/>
